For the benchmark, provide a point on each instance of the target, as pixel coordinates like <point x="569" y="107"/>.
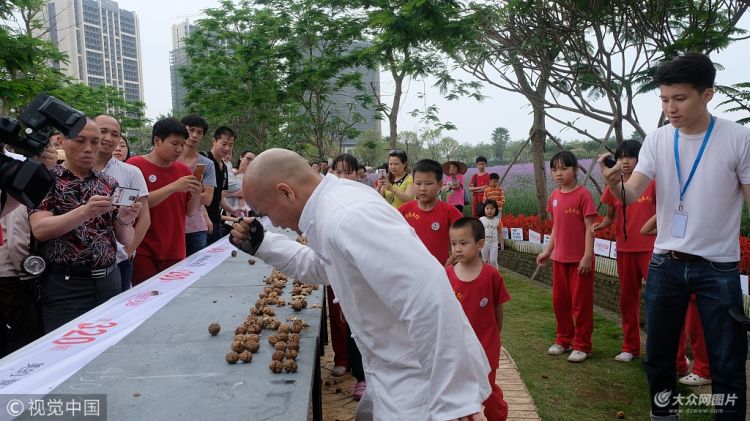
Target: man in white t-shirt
<point x="127" y="176"/>
<point x="701" y="165"/>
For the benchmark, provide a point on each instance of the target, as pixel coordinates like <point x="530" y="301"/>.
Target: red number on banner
<point x="175" y="276"/>
<point x="93" y="326"/>
<point x="73" y="341"/>
<point x="81" y="336"/>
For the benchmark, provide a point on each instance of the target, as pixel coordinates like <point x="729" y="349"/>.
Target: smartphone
<point x="198" y="171"/>
<point x="381" y="172"/>
<point x="124" y="196"/>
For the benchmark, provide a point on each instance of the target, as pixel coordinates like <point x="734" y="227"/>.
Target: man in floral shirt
<point x="77" y="225"/>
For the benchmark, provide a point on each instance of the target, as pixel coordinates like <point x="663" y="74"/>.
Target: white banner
<point x="516" y="234"/>
<point x="602" y="247"/>
<point x="44" y="364"/>
<point x="535" y="237"/>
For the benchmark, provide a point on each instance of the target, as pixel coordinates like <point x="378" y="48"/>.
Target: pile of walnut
<point x="300" y="291"/>
<point x="286" y="344"/>
<point x="246" y="339"/>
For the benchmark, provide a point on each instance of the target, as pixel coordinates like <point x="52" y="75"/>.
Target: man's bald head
<point x="110" y="132"/>
<point x="278" y="183"/>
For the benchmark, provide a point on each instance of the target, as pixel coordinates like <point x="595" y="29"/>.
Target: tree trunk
<point x="398" y="80"/>
<point x="538" y="135"/>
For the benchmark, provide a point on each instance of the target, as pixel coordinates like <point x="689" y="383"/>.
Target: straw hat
<point x="460" y="165"/>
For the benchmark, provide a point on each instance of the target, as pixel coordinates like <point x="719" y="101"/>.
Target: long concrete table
<point x="171" y="368"/>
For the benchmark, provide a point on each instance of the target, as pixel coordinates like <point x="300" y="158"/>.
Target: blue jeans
<point x="126" y="272"/>
<point x="717" y="289"/>
<point x="195" y="241"/>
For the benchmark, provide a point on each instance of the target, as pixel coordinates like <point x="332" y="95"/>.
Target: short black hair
<point x="429" y="166"/>
<point x="362" y="167"/>
<point x="167" y="127"/>
<point x="475" y="225"/>
<point x="194" y="120"/>
<point x="628" y="149"/>
<point x="693" y="68"/>
<point x="493" y="203"/>
<point x="494" y="176"/>
<point x="566" y="158"/>
<point x="347" y="159"/>
<point x="480" y="158"/>
<point x="224" y="130"/>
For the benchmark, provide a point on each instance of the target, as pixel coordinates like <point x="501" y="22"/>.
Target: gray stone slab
<point x="171" y="368"/>
<point x="191" y="380"/>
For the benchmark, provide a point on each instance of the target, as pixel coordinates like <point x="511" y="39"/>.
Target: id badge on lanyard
<point x="680" y="217"/>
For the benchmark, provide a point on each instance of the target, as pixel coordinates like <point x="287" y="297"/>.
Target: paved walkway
<point x="338" y="404"/>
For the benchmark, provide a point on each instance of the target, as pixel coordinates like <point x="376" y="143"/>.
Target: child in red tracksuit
<point x="481" y="291"/>
<point x="572" y="241"/>
<point x="634" y="249"/>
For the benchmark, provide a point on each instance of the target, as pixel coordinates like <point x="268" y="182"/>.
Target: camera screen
<point x="124" y="196"/>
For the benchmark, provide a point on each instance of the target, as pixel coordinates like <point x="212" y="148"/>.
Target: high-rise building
<point x="102" y="42"/>
<point x="177" y="59"/>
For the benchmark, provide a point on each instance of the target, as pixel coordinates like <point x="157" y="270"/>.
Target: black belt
<point x="686" y="257"/>
<point x="82" y="273"/>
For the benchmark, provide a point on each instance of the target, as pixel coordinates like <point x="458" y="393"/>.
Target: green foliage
<point x="282" y="73"/>
<point x="500" y="138"/>
<point x="102" y="100"/>
<point x="738" y="100"/>
<point x="24" y="58"/>
<point x="371" y="148"/>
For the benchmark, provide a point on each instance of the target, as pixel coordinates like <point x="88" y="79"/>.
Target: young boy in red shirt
<point x="481" y="291"/>
<point x="173" y="193"/>
<point x="430" y="217"/>
<point x="477" y="183"/>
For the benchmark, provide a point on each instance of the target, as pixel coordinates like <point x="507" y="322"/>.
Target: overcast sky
<point x="475" y="120"/>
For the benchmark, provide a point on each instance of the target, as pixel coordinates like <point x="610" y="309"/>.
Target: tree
<point x="25" y="57"/>
<point x="500" y="138"/>
<point x="103" y="100"/>
<point x="371" y="148"/>
<point x="407" y="36"/>
<point x="448" y="147"/>
<point x="738" y="100"/>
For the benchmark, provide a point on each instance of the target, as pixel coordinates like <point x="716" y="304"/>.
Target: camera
<point x="610" y="161"/>
<point x="29" y="181"/>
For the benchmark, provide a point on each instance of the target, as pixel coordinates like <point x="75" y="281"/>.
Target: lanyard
<point x="684" y="187"/>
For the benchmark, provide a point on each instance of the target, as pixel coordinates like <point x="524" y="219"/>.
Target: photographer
<point x="81" y="270"/>
<point x="19" y="320"/>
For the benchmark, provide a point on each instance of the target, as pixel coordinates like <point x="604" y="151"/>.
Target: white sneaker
<point x="577" y="356"/>
<point x="624" y="357"/>
<point x="557" y="349"/>
<point x="338" y="371"/>
<point x="693" y="379"/>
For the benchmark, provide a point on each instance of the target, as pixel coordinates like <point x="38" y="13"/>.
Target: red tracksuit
<point x="572" y="293"/>
<point x="633" y="255"/>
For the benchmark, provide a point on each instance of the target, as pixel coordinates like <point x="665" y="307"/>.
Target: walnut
<point x="240" y="330"/>
<point x="297" y="305"/>
<point x="282" y="336"/>
<point x="296" y="328"/>
<point x="290" y="366"/>
<point x="246" y="357"/>
<point x="252" y="337"/>
<point x="263" y="295"/>
<point x="291" y="354"/>
<point x="280" y="302"/>
<point x="214" y="329"/>
<point x="297" y="290"/>
<point x="292" y="345"/>
<point x="259" y="304"/>
<point x="273" y="324"/>
<point x="269" y="311"/>
<point x="276" y="366"/>
<point x="272" y="339"/>
<point x="294" y="337"/>
<point x="284" y="328"/>
<point x="280" y="345"/>
<point x="239" y="337"/>
<point x="278" y="355"/>
<point x="238" y="346"/>
<point x="253" y="328"/>
<point x="251" y="261"/>
<point x="252" y="346"/>
<point x="233" y="357"/>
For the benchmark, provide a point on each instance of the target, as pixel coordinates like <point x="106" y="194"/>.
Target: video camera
<point x="29" y="181"/>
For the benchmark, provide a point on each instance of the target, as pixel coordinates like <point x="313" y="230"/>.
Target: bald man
<point x="421" y="357"/>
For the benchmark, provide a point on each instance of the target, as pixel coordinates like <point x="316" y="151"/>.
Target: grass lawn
<point x="593" y="390"/>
